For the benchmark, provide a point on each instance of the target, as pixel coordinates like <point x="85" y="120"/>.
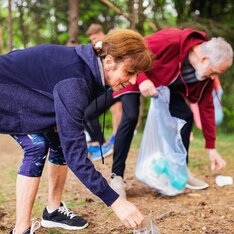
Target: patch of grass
<point x="199" y="156"/>
<point x="109" y="212"/>
<point x="136" y="142"/>
<point x="136" y="138"/>
<point x="55" y="231"/>
<point x="38" y="207"/>
<point x="11" y="175"/>
<point x="195" y="164"/>
<point x="99" y="204"/>
<point x="99" y="220"/>
<point x="72" y="203"/>
<point x="2" y="197"/>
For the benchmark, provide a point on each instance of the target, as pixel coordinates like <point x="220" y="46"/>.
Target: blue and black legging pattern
<point x="36" y="147"/>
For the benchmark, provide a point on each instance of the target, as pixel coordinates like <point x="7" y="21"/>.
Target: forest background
<point x="25" y="23"/>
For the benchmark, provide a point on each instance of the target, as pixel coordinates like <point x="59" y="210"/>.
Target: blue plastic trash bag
<point x="217" y="97"/>
<point x="161" y="162"/>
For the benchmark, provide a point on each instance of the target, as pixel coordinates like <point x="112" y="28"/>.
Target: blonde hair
<point x="124" y="44"/>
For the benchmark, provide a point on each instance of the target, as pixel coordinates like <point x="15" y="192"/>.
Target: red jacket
<point x="171" y="46"/>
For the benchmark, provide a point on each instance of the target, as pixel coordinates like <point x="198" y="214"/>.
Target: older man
<point x="187" y="63"/>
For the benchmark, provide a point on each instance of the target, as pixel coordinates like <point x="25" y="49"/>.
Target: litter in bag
<point x="217" y="96"/>
<point x="161" y="162"/>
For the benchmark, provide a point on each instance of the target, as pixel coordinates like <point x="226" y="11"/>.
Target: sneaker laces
<point x="118" y="179"/>
<point x="64" y="210"/>
<point x="35" y="225"/>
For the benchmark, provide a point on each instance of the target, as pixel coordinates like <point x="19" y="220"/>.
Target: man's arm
<point x="147" y="88"/>
<point x="207" y="115"/>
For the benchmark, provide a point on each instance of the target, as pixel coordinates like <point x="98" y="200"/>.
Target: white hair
<point x="218" y="51"/>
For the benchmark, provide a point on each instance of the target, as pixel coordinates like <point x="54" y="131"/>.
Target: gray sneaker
<point x="194" y="183"/>
<point x="117" y="184"/>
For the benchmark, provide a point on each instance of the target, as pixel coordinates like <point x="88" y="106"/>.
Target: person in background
<point x="217" y="99"/>
<point x="187" y="62"/>
<point x="50" y="86"/>
<point x="104" y="102"/>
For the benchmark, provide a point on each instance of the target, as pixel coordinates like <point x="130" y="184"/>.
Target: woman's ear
<point x="108" y="62"/>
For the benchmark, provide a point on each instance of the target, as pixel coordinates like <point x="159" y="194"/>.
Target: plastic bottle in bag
<point x="159" y="165"/>
<point x="178" y="180"/>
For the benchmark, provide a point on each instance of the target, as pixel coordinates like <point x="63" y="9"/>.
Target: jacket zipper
<point x="202" y="91"/>
<point x="182" y="78"/>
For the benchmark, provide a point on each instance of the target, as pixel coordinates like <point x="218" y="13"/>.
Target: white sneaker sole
<point x="51" y="224"/>
<point x="108" y="153"/>
<point x="188" y="186"/>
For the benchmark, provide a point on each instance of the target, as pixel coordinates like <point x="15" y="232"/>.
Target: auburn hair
<point x="124" y="44"/>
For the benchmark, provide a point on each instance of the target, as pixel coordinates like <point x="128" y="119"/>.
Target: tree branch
<point x="115" y="8"/>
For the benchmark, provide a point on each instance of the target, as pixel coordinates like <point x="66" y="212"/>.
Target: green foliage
<point x="73" y="203"/>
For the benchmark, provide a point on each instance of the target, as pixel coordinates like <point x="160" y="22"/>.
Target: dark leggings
<point x="124" y="135"/>
<point x="36" y="147"/>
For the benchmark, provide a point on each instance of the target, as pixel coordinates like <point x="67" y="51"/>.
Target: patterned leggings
<point x="36" y="147"/>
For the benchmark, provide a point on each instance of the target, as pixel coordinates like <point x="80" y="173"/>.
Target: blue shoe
<point x="112" y="140"/>
<point x="92" y="149"/>
<point x="106" y="151"/>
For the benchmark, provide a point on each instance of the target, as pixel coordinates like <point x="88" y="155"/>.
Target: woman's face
<point x="117" y="75"/>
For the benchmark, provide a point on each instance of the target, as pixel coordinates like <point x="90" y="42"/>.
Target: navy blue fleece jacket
<point x="50" y="85"/>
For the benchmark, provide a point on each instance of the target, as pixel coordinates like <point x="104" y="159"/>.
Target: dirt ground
<point x="207" y="211"/>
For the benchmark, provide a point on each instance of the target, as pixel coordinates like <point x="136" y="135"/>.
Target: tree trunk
<point x="10" y="45"/>
<point x="22" y="25"/>
<point x="141" y="18"/>
<point x="132" y="15"/>
<point x="140" y="28"/>
<point x="74" y="6"/>
<point x="2" y="44"/>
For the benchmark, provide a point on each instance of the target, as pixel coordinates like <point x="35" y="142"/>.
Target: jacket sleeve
<point x="71" y="97"/>
<point x="141" y="78"/>
<point x="207" y="115"/>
